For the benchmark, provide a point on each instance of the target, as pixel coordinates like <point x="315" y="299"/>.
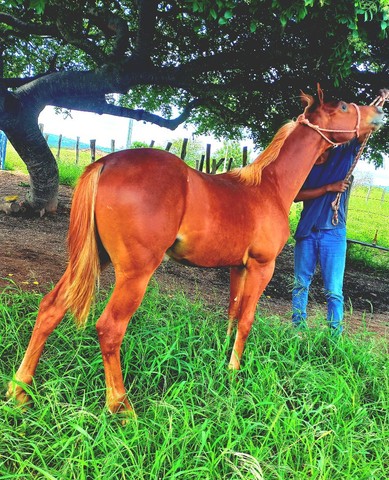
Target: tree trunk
<point x="20" y="124"/>
<point x="30" y="144"/>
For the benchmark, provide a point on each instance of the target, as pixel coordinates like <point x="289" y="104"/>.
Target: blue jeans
<point x="328" y="249"/>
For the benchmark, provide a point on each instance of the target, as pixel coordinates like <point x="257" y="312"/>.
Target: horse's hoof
<point x="18" y="395"/>
<point x="127" y="416"/>
<point x="124" y="411"/>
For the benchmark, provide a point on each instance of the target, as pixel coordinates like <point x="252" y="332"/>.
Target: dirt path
<point x="33" y="255"/>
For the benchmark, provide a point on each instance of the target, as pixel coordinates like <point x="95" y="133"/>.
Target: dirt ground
<point x="33" y="255"/>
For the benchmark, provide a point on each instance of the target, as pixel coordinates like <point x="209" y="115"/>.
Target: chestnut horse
<point x="133" y="207"/>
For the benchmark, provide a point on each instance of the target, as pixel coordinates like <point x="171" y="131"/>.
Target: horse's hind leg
<point x="237" y="281"/>
<point x="111" y="326"/>
<point x="51" y="311"/>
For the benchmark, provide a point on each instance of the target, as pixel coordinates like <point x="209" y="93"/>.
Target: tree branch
<point x="29" y="28"/>
<point x="81" y="42"/>
<point x="19" y="82"/>
<point x="111" y="24"/>
<point x="102" y="107"/>
<point x="146" y="30"/>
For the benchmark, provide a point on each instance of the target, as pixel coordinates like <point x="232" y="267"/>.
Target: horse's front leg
<point x="51" y="311"/>
<point x="257" y="277"/>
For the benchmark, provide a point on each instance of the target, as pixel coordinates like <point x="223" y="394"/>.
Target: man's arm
<point x="311" y="193"/>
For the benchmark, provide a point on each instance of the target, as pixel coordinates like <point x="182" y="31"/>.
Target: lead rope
<point x="379" y="101"/>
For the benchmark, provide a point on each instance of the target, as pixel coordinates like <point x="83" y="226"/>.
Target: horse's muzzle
<point x="380" y="118"/>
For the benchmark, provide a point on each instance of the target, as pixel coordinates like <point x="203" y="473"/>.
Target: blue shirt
<point x="317" y="213"/>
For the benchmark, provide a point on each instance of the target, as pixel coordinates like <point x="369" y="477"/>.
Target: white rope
<point x="320" y="130"/>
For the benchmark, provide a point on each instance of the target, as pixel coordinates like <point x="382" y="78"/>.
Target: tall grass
<point x="300" y="408"/>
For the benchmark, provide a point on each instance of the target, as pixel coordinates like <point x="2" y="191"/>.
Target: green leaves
<point x="38" y="5"/>
<point x="220" y="11"/>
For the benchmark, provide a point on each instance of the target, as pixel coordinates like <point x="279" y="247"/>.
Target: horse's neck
<point x="293" y="164"/>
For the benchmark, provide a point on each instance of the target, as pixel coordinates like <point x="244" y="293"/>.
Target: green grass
<point x="368" y="213"/>
<point x="299" y="408"/>
<point x="69" y="172"/>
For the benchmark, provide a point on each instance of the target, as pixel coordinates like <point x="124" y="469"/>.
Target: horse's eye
<point x="343" y="107"/>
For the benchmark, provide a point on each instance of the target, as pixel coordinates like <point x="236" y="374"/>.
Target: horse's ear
<point x="306" y="100"/>
<point x="320" y="94"/>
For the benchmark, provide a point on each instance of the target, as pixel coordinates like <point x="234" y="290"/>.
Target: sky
<point x="104" y="128"/>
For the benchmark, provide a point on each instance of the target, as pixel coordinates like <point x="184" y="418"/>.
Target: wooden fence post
<point x="92" y="150"/>
<point x="244" y="159"/>
<point x="229" y="165"/>
<point x="152" y="143"/>
<point x="208" y="158"/>
<point x="368" y="193"/>
<point x="183" y="148"/>
<point x="201" y="165"/>
<point x="383" y="194"/>
<point x="77" y="150"/>
<point x="222" y="160"/>
<point x="168" y="146"/>
<point x="112" y="145"/>
<point x="213" y="171"/>
<point x="59" y="146"/>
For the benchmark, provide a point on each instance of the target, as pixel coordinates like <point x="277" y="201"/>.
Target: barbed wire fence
<point x="368" y="212"/>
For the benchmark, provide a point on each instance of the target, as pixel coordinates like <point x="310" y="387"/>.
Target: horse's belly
<point x="195" y="252"/>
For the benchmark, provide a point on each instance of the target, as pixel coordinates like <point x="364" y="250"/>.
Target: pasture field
<point x="368" y="212"/>
<point x="300" y="408"/>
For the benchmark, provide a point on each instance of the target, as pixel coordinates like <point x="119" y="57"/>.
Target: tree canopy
<point x="223" y="65"/>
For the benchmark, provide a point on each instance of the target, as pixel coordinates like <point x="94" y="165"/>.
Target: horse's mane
<point x="252" y="174"/>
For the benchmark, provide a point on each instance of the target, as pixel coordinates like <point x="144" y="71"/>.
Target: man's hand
<point x="340" y="186"/>
<point x="311" y="193"/>
<point x="384" y="94"/>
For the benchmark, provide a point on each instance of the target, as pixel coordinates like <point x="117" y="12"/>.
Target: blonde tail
<point x="84" y="263"/>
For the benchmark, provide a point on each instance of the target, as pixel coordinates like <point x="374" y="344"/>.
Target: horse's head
<point x="338" y="121"/>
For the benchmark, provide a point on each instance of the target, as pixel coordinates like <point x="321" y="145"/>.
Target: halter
<point x="302" y="119"/>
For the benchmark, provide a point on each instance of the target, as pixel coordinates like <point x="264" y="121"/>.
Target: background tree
<point x="232" y="149"/>
<point x="224" y="64"/>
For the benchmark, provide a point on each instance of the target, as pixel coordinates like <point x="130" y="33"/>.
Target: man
<point x="318" y="240"/>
